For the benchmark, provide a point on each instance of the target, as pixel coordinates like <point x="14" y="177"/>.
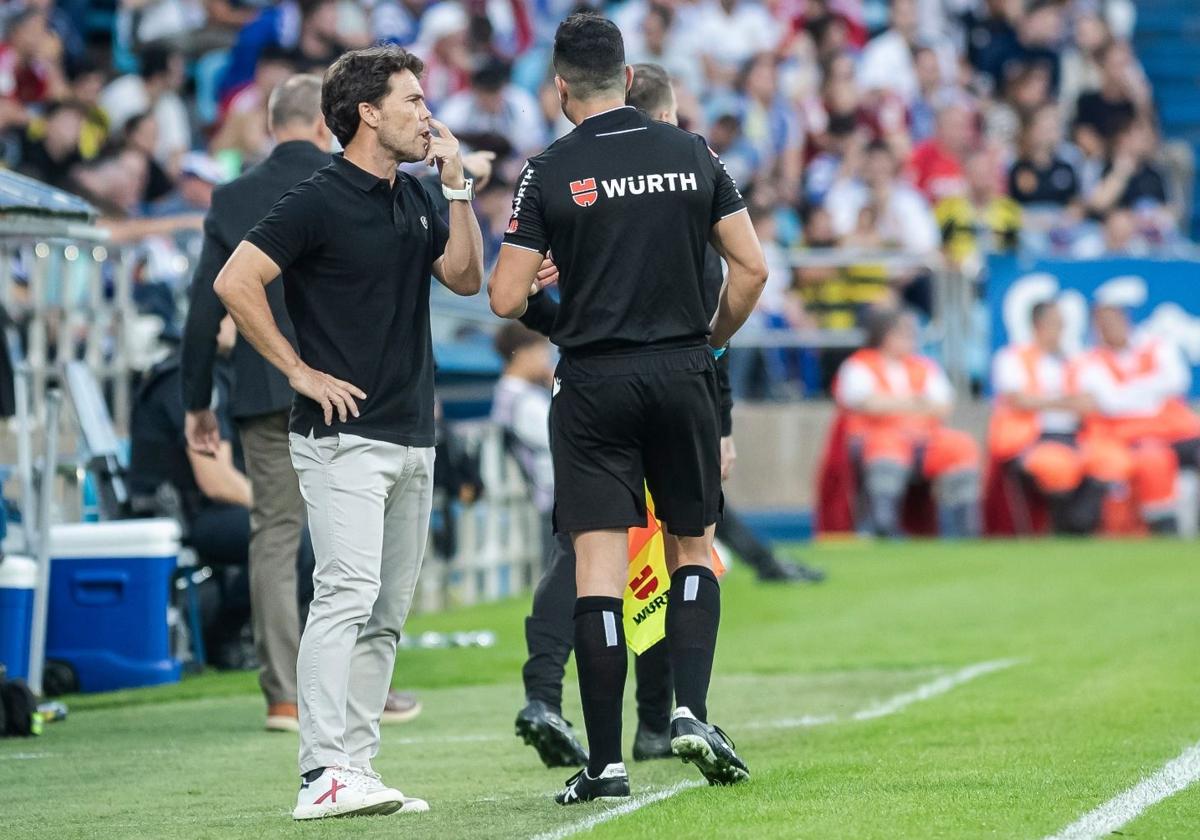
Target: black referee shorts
<point x="620" y="420"/>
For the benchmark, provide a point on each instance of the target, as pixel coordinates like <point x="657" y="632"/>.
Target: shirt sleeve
<point x="727" y="200"/>
<point x="292" y="228"/>
<point x="855" y="384"/>
<point x="1007" y="376"/>
<point x="540" y="313"/>
<point x="938" y="389"/>
<point x="527" y="226"/>
<point x="203" y="320"/>
<point x="441" y="232"/>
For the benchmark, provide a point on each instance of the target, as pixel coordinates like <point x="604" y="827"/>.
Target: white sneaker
<point x="344" y="792"/>
<point x="411" y="805"/>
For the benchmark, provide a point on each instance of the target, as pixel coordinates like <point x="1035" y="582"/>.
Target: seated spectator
<point x="1081" y="55"/>
<point x="493" y="105"/>
<point x="49" y="158"/>
<point x="931" y="93"/>
<point x="982" y="221"/>
<point x="31" y="69"/>
<point x="991" y="40"/>
<point x="727" y="34"/>
<point x="1039" y="37"/>
<point x="902" y="218"/>
<point x="1026" y="89"/>
<point x="654" y="39"/>
<point x="442" y="44"/>
<point x="1041" y="178"/>
<point x="1139" y="388"/>
<point x="1034" y="430"/>
<point x="521" y="407"/>
<point x="768" y="122"/>
<point x="155" y="88"/>
<point x="86" y="83"/>
<point x="936" y="166"/>
<point x="141" y="135"/>
<point x="1124" y="94"/>
<point x="896" y="403"/>
<point x="887" y="59"/>
<point x="212" y="493"/>
<point x="243" y="129"/>
<point x="1131" y="179"/>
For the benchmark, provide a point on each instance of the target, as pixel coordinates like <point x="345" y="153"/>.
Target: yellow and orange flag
<point x="646" y="592"/>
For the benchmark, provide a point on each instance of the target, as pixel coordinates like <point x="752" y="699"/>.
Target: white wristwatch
<point x="467" y="193"/>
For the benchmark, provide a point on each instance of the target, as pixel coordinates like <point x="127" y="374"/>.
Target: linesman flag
<point x="646" y="594"/>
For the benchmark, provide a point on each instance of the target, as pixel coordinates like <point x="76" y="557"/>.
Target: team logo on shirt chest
<point x="584" y="192"/>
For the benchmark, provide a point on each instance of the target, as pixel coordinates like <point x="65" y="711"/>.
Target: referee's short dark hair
<point x="361" y="76"/>
<point x="589" y="55"/>
<point x="651" y="89"/>
<point x="514" y="337"/>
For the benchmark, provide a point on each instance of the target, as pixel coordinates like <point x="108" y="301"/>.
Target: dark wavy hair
<point x="361" y="76"/>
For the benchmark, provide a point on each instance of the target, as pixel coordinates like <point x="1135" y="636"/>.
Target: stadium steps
<point x="1167" y="41"/>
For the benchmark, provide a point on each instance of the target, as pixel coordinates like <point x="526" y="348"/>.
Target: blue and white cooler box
<point x="18" y="577"/>
<point x="110" y="585"/>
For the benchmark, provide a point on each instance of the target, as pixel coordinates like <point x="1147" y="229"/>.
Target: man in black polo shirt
<point x="356" y="244"/>
<point x="627" y="204"/>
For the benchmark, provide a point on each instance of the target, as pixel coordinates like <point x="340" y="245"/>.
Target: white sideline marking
<point x="896" y="703"/>
<point x="890" y="706"/>
<point x="24" y="756"/>
<point x="1173" y="777"/>
<point x="640" y="801"/>
<point x="933" y="688"/>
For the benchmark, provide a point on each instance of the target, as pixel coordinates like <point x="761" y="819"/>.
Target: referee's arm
<point x="513" y="280"/>
<point x="735" y="240"/>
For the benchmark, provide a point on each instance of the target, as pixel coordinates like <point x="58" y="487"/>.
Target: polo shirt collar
<point x="359" y="177"/>
<point x="619" y="116"/>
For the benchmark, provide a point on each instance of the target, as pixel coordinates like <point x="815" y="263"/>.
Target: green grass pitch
<point x="824" y="688"/>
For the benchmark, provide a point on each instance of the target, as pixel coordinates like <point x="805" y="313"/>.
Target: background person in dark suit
<point x="261" y="396"/>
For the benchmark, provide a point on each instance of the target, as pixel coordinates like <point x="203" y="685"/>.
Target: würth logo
<point x="584" y="192"/>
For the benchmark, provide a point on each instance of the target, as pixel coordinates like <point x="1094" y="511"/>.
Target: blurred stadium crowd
<point x="947" y="128"/>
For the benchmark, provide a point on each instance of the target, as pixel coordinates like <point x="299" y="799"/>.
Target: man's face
<point x="904" y="17"/>
<point x="1112" y="326"/>
<point x="403" y="127"/>
<point x="62" y="129"/>
<point x="901" y="340"/>
<point x="954" y="128"/>
<point x="880" y="169"/>
<point x="1049" y="328"/>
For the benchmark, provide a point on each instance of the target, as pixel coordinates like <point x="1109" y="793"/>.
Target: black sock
<point x="693" y="614"/>
<point x="602" y="662"/>
<point x="312" y="775"/>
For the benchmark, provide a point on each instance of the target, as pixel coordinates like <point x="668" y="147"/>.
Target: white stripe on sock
<point x="691" y="585"/>
<point x="610" y="628"/>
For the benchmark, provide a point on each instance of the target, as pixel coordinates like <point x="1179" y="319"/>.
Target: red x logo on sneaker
<point x="330" y="794"/>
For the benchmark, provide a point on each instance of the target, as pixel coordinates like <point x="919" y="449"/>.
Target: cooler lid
<point x="127" y="538"/>
<point x="18" y="573"/>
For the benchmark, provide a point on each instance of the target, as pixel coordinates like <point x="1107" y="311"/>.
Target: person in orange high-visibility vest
<point x="895" y="403"/>
<point x="1035" y="424"/>
<point x="1139" y="385"/>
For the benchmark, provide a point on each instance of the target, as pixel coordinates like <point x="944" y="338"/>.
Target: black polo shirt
<point x="357" y="255"/>
<point x="626" y="205"/>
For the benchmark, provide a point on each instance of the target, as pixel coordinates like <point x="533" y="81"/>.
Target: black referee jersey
<point x="625" y="204"/>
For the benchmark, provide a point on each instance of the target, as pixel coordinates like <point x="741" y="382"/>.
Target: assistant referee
<point x="626" y="205"/>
